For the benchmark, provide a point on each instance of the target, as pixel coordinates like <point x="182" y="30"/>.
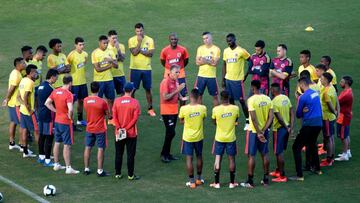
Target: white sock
<point x="68" y="167"/>
<point x="99" y="171"/>
<point x="348" y="151"/>
<point x="42" y="157"/>
<point x="87" y="169"/>
<point x="47" y="161"/>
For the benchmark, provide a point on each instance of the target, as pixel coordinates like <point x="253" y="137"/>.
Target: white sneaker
<point x="349" y="154"/>
<point x="29" y="155"/>
<point x="344" y="157"/>
<point x="246" y="127"/>
<point x="30" y="152"/>
<point x="71" y="171"/>
<point x="215" y="185"/>
<point x="11" y="147"/>
<point x="233" y="185"/>
<point x="57" y="167"/>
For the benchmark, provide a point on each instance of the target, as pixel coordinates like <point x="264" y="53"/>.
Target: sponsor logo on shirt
<point x="80" y="65"/>
<point x="232" y="60"/>
<point x="225" y="115"/>
<point x="125" y="101"/>
<point x="313" y="95"/>
<point x="284" y="102"/>
<point x="263" y="103"/>
<point x="194" y="114"/>
<point x="175" y="60"/>
<point x="59" y="92"/>
<point x="41" y="87"/>
<point x="91" y="101"/>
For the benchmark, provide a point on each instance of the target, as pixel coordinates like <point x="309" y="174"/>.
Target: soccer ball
<point x="49" y="190"/>
<point x="1" y="197"/>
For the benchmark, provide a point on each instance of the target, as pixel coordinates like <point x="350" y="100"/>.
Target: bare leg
<point x="56" y="152"/>
<point x="149" y="98"/>
<point x="66" y="154"/>
<point x="87" y="153"/>
<point x="100" y="158"/>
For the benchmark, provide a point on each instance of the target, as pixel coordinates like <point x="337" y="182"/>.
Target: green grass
<point x="337" y="27"/>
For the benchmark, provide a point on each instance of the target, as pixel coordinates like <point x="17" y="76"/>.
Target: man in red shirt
<point x="96" y="109"/>
<point x="345" y="116"/>
<point x="61" y="102"/>
<point x="126" y="111"/>
<point x="175" y="54"/>
<point x="169" y="96"/>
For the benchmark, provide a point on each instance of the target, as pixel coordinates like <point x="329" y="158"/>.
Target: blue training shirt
<point x="44" y="92"/>
<point x="309" y="108"/>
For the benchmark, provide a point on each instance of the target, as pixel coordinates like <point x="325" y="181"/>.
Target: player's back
<point x="61" y="98"/>
<point x="261" y="105"/>
<point x="95" y="108"/>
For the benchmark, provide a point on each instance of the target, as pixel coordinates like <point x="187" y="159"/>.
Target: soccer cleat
<point x="41" y="161"/>
<point x="281" y="179"/>
<point x="246" y="127"/>
<point x="215" y="185"/>
<point x="320" y="145"/>
<point x="264" y="182"/>
<point x="134" y="177"/>
<point x="50" y="164"/>
<point x="296" y="178"/>
<point x="15" y="146"/>
<point x="71" y="171"/>
<point x="233" y="185"/>
<point x="275" y="174"/>
<point x="199" y="181"/>
<point x="321" y="151"/>
<point x="86" y="172"/>
<point x="29" y="155"/>
<point x="349" y="154"/>
<point x="118" y="176"/>
<point x="173" y="158"/>
<point x="57" y="167"/>
<point x="103" y="174"/>
<point x="326" y="163"/>
<point x="247" y="185"/>
<point x="165" y="159"/>
<point x="190" y="185"/>
<point x="317" y="172"/>
<point x="151" y="112"/>
<point x="83" y="123"/>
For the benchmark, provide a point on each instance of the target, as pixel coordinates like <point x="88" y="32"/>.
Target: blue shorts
<point x="14" y="114"/>
<point x="328" y="128"/>
<point x="28" y="122"/>
<point x="100" y="138"/>
<point x="253" y="144"/>
<point x="136" y="76"/>
<point x="211" y="84"/>
<point x="107" y="89"/>
<point x="119" y="83"/>
<point x="64" y="133"/>
<point x="46" y="128"/>
<point x="188" y="148"/>
<point x="183" y="91"/>
<point x="343" y="131"/>
<point x="219" y="148"/>
<point x="281" y="137"/>
<point x="79" y="92"/>
<point x="235" y="89"/>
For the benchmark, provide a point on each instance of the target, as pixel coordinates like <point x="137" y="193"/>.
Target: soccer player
<point x="309" y="110"/>
<point x="312" y="85"/>
<point x="77" y="60"/>
<point x="234" y="58"/>
<point x="283" y="125"/>
<point x="259" y="64"/>
<point x="330" y="109"/>
<point x="305" y="56"/>
<point x="344" y="119"/>
<point x="58" y="61"/>
<point x="257" y="137"/>
<point x="281" y="68"/>
<point x="175" y="54"/>
<point x="326" y="61"/>
<point x="118" y="50"/>
<point x="61" y="102"/>
<point x="103" y="61"/>
<point x="142" y="49"/>
<point x="11" y="100"/>
<point x="169" y="96"/>
<point x="46" y="119"/>
<point x="192" y="116"/>
<point x="207" y="58"/>
<point x="27" y="53"/>
<point x="96" y="109"/>
<point x="39" y="56"/>
<point x="126" y="112"/>
<point x="225" y="118"/>
<point x="26" y="98"/>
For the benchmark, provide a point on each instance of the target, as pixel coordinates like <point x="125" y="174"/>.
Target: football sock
<point x="217" y="177"/>
<point x="232" y="176"/>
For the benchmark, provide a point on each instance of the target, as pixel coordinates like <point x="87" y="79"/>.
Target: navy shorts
<point x="64" y="133"/>
<point x="144" y="76"/>
<point x="183" y="91"/>
<point x="220" y="147"/>
<point x="235" y="89"/>
<point x="188" y="148"/>
<point x="119" y="83"/>
<point x="99" y="138"/>
<point x="14" y="114"/>
<point x="36" y="91"/>
<point x="343" y="131"/>
<point x="46" y="128"/>
<point x="28" y="122"/>
<point x="80" y="92"/>
<point x="107" y="88"/>
<point x="253" y="144"/>
<point x="281" y="137"/>
<point x="209" y="83"/>
<point x="328" y="128"/>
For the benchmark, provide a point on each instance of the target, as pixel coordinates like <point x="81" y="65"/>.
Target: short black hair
<point x="51" y="73"/>
<point x="328" y="76"/>
<point x="276" y="86"/>
<point x="95" y="87"/>
<point x="224" y="95"/>
<point x="206" y="33"/>
<point x="53" y="42"/>
<point x="305" y="80"/>
<point x="348" y="80"/>
<point x="25" y="48"/>
<point x="283" y="46"/>
<point x="102" y="37"/>
<point x="195" y="93"/>
<point x="18" y="60"/>
<point x="232" y="35"/>
<point x="29" y="68"/>
<point x="42" y="48"/>
<point x="306" y="52"/>
<point x="67" y="79"/>
<point x="139" y="25"/>
<point x="321" y="66"/>
<point x="305" y="73"/>
<point x="260" y="43"/>
<point x="256" y="84"/>
<point x="78" y="39"/>
<point x="112" y="32"/>
<point x="327" y="58"/>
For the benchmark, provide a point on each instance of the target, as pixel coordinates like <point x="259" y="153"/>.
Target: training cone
<point x="309" y="29"/>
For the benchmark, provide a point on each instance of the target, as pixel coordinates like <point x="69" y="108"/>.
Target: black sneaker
<point x="165" y="159"/>
<point x="86" y="172"/>
<point x="77" y="129"/>
<point x="103" y="174"/>
<point x="265" y="182"/>
<point x="173" y="158"/>
<point x="134" y="177"/>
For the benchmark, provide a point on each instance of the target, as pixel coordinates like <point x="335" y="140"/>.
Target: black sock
<point x="41" y="144"/>
<point x="282" y="173"/>
<point x="48" y="145"/>
<point x="12" y="143"/>
<point x="266" y="177"/>
<point x="217" y="177"/>
<point x="232" y="176"/>
<point x="247" y="121"/>
<point x="80" y="116"/>
<point x="25" y="149"/>
<point x="150" y="107"/>
<point x="250" y="179"/>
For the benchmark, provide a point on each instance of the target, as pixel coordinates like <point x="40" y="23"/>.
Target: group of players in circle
<point x="45" y="107"/>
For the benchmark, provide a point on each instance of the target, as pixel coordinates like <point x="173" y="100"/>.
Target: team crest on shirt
<point x="261" y="62"/>
<point x="282" y="65"/>
<point x="178" y="54"/>
<point x="275" y="64"/>
<point x="211" y="52"/>
<point x="236" y="55"/>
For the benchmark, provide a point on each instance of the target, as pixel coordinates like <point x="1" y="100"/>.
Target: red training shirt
<point x="168" y="107"/>
<point x="174" y="56"/>
<point x="345" y="101"/>
<point x="95" y="108"/>
<point x="61" y="98"/>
